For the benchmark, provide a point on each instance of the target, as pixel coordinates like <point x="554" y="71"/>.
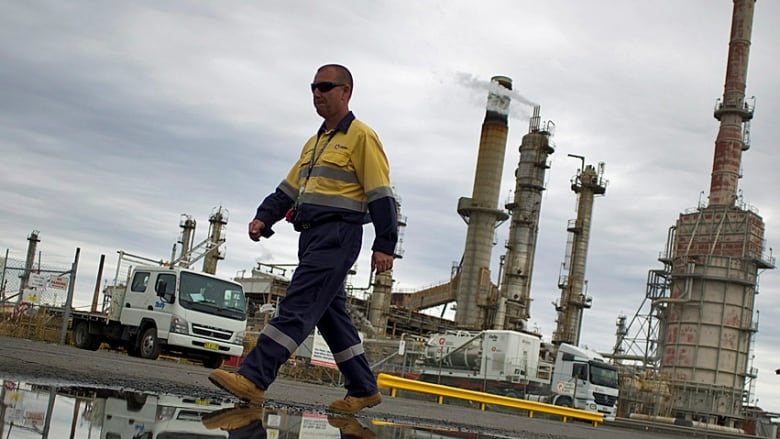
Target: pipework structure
<point x="187" y="224"/>
<point x="588" y="183"/>
<point x="382" y="283"/>
<point x="515" y="295"/>
<point x="714" y="256"/>
<point x="481" y="214"/>
<point x="217" y="222"/>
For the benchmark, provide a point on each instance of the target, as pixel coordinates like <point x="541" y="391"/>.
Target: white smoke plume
<point x="494" y="102"/>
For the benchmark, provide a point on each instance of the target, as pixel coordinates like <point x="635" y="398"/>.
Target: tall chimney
<point x="480" y="211"/>
<point x="733" y="111"/>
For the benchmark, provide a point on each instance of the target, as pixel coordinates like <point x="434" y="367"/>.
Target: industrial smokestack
<point x="480" y="211"/>
<point x="733" y="112"/>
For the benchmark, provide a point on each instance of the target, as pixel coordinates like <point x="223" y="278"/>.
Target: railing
<point x="394" y="383"/>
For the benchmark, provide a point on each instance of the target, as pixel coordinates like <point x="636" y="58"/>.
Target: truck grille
<point x="606" y="400"/>
<point x="211" y="332"/>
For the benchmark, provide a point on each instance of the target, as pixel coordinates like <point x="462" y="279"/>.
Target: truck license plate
<point x="210" y="345"/>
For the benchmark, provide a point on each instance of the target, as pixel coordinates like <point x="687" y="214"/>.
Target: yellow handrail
<point x="394" y="383"/>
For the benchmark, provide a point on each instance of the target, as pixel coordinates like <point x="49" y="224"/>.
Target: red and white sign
<point x="58" y="282"/>
<point x="320" y="352"/>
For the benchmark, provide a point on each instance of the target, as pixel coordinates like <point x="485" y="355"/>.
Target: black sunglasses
<point x="325" y="87"/>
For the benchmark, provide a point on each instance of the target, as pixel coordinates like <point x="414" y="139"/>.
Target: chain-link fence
<point x="28" y="296"/>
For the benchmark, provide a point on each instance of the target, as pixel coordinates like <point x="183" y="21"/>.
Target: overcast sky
<point x="117" y="117"/>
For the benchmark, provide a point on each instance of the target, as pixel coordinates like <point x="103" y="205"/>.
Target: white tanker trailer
<point x="519" y="365"/>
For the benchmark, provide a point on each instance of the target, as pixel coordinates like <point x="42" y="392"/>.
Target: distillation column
<point x="525" y="208"/>
<point x="217" y="222"/>
<point x="382" y="285"/>
<point x="716" y="252"/>
<point x="32" y="249"/>
<point x="480" y="211"/>
<point x="586" y="184"/>
<point x="187" y="224"/>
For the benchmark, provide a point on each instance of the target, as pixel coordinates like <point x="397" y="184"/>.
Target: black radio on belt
<point x="306" y="225"/>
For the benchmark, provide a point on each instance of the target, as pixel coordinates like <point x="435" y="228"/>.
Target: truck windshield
<point x="602" y="374"/>
<point x="213" y="296"/>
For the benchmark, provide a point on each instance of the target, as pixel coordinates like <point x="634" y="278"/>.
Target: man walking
<point x="341" y="177"/>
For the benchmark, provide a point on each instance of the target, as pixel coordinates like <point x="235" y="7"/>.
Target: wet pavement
<point x="81" y="394"/>
<point x="34" y="410"/>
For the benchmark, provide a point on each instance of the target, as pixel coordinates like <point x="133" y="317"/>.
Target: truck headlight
<point x="179" y="325"/>
<point x="240" y="337"/>
<point x="592" y="406"/>
<point x="165" y="413"/>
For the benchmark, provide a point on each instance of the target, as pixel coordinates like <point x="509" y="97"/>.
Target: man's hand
<point x="256" y="228"/>
<point x="381" y="262"/>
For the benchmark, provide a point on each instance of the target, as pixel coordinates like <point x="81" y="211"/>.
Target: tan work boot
<point x="237" y="385"/>
<point x="351" y="428"/>
<point x="232" y="418"/>
<point x="353" y="404"/>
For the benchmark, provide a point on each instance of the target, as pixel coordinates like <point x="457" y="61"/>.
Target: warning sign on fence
<point x="58" y="282"/>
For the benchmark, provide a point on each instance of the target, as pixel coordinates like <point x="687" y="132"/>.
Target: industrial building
<point x="695" y="364"/>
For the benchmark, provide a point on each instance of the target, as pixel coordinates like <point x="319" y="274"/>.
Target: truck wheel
<point x="213" y="361"/>
<point x="149" y="345"/>
<point x="83" y="339"/>
<point x="563" y="401"/>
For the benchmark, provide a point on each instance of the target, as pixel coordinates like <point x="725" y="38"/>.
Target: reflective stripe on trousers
<point x="316" y="296"/>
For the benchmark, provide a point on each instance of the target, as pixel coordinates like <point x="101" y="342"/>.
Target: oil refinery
<point x="684" y="357"/>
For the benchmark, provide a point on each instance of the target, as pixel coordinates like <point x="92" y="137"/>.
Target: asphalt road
<point x="64" y="365"/>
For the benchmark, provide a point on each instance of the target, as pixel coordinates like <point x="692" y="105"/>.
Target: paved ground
<point x="55" y="364"/>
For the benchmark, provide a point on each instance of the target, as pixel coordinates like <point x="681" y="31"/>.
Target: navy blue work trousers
<point x="316" y="296"/>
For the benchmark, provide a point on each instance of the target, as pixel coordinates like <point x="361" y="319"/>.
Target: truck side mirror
<point x="580" y="372"/>
<point x="161" y="288"/>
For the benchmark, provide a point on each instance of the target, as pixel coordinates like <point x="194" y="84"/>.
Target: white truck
<point x="519" y="365"/>
<point x="123" y="415"/>
<point x="169" y="309"/>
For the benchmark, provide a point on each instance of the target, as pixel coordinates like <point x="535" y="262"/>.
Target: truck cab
<point x="583" y="380"/>
<point x="187" y="312"/>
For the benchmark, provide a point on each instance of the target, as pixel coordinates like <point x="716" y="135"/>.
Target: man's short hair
<point x="344" y="74"/>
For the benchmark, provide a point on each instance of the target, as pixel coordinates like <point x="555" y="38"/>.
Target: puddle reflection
<point x="31" y="410"/>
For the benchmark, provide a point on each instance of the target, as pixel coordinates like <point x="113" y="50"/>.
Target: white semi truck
<point x="519" y="365"/>
<point x="169" y="309"/>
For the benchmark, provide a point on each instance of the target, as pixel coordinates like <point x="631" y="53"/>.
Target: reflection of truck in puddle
<point x="128" y="415"/>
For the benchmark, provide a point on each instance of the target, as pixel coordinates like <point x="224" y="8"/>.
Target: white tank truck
<point x="519" y="365"/>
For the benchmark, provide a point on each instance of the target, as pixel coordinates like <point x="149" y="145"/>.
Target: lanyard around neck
<point x="316" y="155"/>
